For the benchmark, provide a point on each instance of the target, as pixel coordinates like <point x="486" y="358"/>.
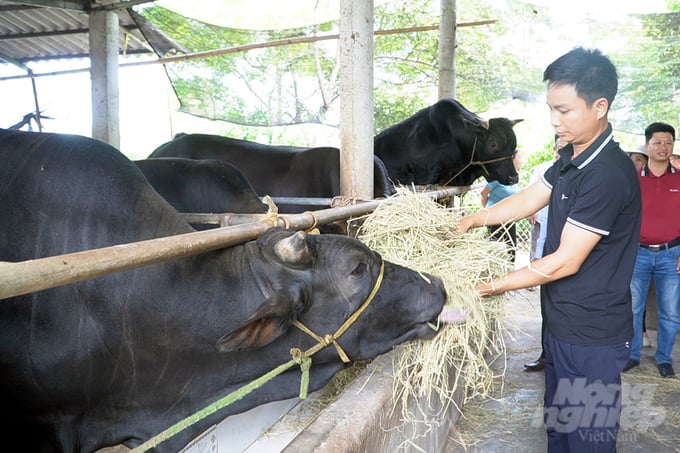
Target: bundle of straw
<point x="417" y="232"/>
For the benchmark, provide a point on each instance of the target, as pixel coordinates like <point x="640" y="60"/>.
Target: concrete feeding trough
<point x="363" y="417"/>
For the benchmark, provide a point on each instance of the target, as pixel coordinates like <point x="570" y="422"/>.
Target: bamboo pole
<point x="43" y="273"/>
<point x="247" y="47"/>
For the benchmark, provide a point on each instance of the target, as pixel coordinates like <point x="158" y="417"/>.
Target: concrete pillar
<point x="356" y="98"/>
<point x="447" y="50"/>
<point x="104" y="77"/>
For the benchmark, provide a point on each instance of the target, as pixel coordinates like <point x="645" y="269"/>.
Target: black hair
<point x="658" y="127"/>
<point x="592" y="74"/>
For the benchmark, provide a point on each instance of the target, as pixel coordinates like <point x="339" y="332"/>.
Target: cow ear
<point x="475" y="123"/>
<point x="269" y="322"/>
<point x="257" y="333"/>
<point x="513" y="122"/>
<point x="293" y="249"/>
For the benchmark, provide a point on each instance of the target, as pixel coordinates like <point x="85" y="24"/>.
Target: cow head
<point x="494" y="151"/>
<point x="321" y="280"/>
<point x="447" y="144"/>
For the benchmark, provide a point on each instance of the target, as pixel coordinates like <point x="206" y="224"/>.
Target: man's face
<point x="573" y="120"/>
<point x="660" y="146"/>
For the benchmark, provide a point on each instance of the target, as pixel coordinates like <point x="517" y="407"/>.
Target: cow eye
<point x="359" y="270"/>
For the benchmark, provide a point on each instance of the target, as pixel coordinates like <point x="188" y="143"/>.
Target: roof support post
<point x="356" y="98"/>
<point x="104" y="76"/>
<point x="447" y="49"/>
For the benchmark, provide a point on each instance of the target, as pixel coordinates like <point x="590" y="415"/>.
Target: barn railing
<point x="43" y="273"/>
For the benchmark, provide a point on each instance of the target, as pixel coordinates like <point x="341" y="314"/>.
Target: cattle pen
<point x="365" y="421"/>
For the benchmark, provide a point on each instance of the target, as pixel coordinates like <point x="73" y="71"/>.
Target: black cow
<point x="208" y="186"/>
<point x="201" y="185"/>
<point x="119" y="358"/>
<point x="274" y="170"/>
<point x="446" y="144"/>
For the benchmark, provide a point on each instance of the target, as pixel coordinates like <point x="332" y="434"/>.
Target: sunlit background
<point x="149" y="113"/>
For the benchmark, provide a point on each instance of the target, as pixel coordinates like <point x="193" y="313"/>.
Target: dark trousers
<point x="506" y="233"/>
<point x="582" y="402"/>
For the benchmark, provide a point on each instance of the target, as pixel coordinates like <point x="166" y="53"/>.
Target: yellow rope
<point x="331" y="339"/>
<point x="316" y="220"/>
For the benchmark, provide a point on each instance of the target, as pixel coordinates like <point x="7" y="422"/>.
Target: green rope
<point x="305" y="362"/>
<point x="304" y="382"/>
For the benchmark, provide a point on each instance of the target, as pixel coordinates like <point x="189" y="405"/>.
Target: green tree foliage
<point x="530" y="161"/>
<point x="651" y="74"/>
<point x="495" y="63"/>
<point x="287" y="84"/>
<point x="298" y="83"/>
<point x="407" y="64"/>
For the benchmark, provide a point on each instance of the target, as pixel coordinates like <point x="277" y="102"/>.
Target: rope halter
<point x="481" y="163"/>
<point x="329" y="339"/>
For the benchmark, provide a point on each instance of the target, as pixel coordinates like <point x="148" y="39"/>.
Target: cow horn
<point x="513" y="122"/>
<point x="293" y="249"/>
<point x="484" y="123"/>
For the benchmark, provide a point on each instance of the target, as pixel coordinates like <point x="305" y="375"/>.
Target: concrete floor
<point x="511" y="421"/>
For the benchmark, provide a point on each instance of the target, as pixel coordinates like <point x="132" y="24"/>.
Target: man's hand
<point x="486" y="288"/>
<point x="464" y="225"/>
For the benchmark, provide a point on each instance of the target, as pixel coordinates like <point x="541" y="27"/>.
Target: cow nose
<point x="437" y="287"/>
<point x="437" y="281"/>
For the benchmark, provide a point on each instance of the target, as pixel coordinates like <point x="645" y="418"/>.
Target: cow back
<point x="201" y="185"/>
<point x="103" y="188"/>
<point x="278" y="171"/>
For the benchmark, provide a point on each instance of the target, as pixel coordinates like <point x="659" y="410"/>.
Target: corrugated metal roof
<point x="34" y="30"/>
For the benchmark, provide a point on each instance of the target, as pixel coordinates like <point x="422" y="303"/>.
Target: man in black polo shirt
<point x="588" y="259"/>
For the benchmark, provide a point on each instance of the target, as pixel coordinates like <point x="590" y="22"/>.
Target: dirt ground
<point x="511" y="421"/>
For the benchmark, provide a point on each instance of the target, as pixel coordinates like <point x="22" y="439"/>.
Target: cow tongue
<point x="453" y="315"/>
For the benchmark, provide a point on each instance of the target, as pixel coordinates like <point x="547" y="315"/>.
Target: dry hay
<point x="417" y="232"/>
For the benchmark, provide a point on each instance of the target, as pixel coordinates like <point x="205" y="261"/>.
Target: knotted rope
<point x="472" y="162"/>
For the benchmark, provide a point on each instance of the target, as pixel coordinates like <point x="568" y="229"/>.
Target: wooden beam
<point x="79" y="5"/>
<point x="47" y="34"/>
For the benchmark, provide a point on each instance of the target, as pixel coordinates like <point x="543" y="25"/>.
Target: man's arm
<point x="513" y="208"/>
<point x="484" y="195"/>
<point x="575" y="245"/>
